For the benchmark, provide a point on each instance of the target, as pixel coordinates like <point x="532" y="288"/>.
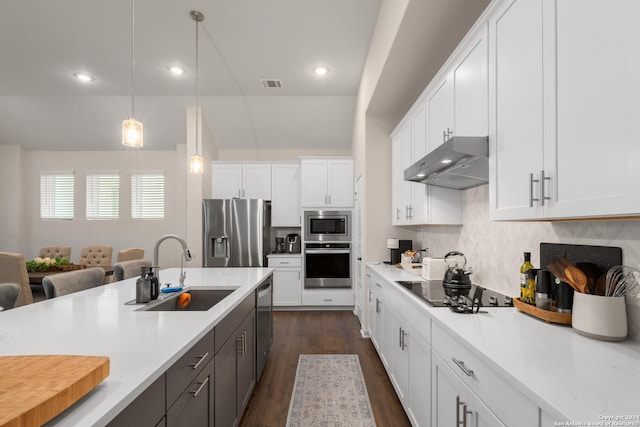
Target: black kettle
<point x="456" y="279"/>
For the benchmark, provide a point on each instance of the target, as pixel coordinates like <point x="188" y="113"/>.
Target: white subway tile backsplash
<point x="494" y="249"/>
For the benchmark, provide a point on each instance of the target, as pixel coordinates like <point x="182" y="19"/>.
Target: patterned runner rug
<point x="330" y="391"/>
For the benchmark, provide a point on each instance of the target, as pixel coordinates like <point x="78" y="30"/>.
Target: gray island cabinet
<point x="194" y="396"/>
<point x="167" y="368"/>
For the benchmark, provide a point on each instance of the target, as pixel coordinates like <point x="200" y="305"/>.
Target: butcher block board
<point x="34" y="389"/>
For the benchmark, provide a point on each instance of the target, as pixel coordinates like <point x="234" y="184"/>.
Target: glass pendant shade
<point x="132" y="133"/>
<point x="196" y="165"/>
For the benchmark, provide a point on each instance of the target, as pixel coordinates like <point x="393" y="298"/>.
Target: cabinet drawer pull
<point x="200" y="360"/>
<point x="327" y="299"/>
<point x="531" y="199"/>
<point x="202" y="384"/>
<point x="542" y="182"/>
<point x="462" y="422"/>
<point x="284" y="262"/>
<point x="379" y="285"/>
<point x="460" y="364"/>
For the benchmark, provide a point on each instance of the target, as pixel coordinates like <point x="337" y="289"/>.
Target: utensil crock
<point x="599" y="317"/>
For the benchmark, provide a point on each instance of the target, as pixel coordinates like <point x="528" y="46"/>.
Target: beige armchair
<point x="130" y="254"/>
<point x="96" y="256"/>
<point x="63" y="252"/>
<point x="128" y="269"/>
<point x="13" y="269"/>
<point x="57" y="285"/>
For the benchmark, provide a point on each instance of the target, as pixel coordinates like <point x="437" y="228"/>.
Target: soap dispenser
<point x="143" y="287"/>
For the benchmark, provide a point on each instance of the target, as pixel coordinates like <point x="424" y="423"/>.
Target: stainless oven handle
<point x="325" y="251"/>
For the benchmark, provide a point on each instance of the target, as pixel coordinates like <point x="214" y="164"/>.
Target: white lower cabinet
<point x="287" y="280"/>
<point x="458" y="374"/>
<point x="405" y="354"/>
<point x="453" y="403"/>
<point x="438" y="379"/>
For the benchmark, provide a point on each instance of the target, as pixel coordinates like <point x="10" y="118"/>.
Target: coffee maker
<point x="396" y="248"/>
<point x="293" y="244"/>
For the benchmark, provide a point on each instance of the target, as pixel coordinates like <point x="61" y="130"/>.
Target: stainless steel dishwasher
<point x="264" y="324"/>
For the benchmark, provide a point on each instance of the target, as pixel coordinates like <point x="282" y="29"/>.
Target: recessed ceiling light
<point x="446" y="161"/>
<point x="83" y="77"/>
<point x="420" y="175"/>
<point x="321" y="71"/>
<point x="178" y="71"/>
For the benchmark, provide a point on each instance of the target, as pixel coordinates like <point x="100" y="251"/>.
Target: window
<point x="103" y="195"/>
<point x="147" y="196"/>
<point x="56" y="195"/>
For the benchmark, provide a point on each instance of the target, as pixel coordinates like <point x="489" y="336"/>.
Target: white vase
<point x="601" y="318"/>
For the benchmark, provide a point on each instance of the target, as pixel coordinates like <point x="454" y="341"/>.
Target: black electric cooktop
<point x="432" y="292"/>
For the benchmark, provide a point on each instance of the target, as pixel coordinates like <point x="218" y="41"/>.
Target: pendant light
<point x="196" y="163"/>
<point x="132" y="129"/>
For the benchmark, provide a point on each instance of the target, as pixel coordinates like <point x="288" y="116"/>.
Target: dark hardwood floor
<point x="318" y="332"/>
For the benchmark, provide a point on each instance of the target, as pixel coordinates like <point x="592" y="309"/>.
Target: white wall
<point x="122" y="233"/>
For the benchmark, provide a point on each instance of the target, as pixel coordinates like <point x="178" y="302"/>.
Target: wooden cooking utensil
<point x="593" y="273"/>
<point x="576" y="278"/>
<point x="601" y="285"/>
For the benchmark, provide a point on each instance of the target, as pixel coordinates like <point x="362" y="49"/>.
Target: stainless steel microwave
<point x="327" y="226"/>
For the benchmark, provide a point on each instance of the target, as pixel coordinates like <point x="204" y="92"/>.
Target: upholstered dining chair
<point x="96" y="256"/>
<point x="14" y="269"/>
<point x="9" y="293"/>
<point x="59" y="284"/>
<point x="128" y="269"/>
<point x="130" y="254"/>
<point x="63" y="252"/>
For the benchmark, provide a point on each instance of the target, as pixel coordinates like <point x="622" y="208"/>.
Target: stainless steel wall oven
<point x="327" y="265"/>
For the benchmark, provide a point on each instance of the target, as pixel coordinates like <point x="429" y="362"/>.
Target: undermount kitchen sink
<point x="201" y="300"/>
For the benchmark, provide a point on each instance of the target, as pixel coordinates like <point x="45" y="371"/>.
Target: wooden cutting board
<point x="34" y="389"/>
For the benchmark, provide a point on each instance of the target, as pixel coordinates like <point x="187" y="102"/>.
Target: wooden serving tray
<point x="546" y="315"/>
<point x="34" y="389"/>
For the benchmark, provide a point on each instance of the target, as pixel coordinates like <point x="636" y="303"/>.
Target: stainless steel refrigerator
<point x="237" y="232"/>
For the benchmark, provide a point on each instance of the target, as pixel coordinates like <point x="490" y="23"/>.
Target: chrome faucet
<point x="186" y="254"/>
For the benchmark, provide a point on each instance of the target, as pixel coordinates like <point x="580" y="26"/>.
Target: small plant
<point x="45" y="264"/>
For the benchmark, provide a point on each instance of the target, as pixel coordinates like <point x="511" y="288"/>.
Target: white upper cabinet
<point x="285" y="195"/>
<point x="242" y="180"/>
<point x="597" y="151"/>
<point x="415" y="203"/>
<point x="516" y="124"/>
<point x="440" y="111"/>
<point x="562" y="109"/>
<point x="409" y="199"/>
<point x="471" y="87"/>
<point x="454" y="103"/>
<point x="327" y="182"/>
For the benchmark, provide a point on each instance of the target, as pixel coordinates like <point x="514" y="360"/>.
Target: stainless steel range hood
<point x="461" y="162"/>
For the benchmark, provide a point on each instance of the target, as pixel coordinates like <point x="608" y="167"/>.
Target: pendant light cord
<point x="133" y="54"/>
<point x="197" y="84"/>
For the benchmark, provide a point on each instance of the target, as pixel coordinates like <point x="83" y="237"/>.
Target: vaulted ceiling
<point x="43" y="43"/>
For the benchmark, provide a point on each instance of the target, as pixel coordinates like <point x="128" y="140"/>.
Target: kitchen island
<point x="141" y="345"/>
<point x="524" y="372"/>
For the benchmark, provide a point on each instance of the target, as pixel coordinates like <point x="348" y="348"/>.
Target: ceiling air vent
<point x="270" y="83"/>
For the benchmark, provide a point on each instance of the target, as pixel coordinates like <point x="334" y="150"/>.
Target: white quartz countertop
<point x="571" y="377"/>
<point x="141" y="345"/>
